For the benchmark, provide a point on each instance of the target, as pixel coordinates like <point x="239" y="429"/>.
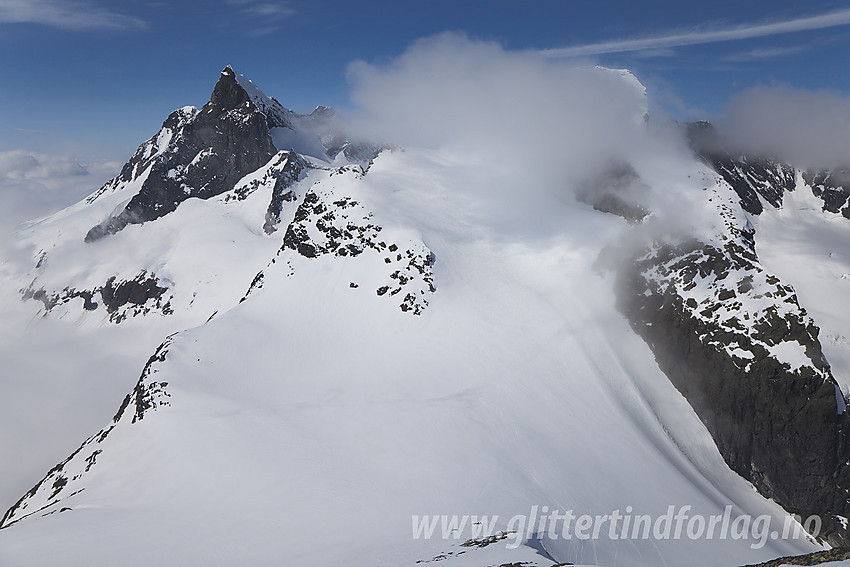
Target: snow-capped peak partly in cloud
<point x="511" y="112"/>
<point x="496" y="285"/>
<point x="510" y="108"/>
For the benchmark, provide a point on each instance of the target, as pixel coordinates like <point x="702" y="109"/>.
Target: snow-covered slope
<point x="361" y="344"/>
<point x="803" y="244"/>
<point x="212" y="215"/>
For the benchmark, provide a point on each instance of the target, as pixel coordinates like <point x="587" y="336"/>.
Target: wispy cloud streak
<point x="697" y="36"/>
<point x="77" y="15"/>
<point x="269" y="13"/>
<point x="768" y="53"/>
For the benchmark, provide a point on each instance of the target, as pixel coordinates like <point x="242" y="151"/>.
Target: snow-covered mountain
<point x="350" y="343"/>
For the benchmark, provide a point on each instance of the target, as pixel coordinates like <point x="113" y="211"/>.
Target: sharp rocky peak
<point x="228" y="94"/>
<point x="198" y="154"/>
<point x="233" y="90"/>
<point x="204" y="153"/>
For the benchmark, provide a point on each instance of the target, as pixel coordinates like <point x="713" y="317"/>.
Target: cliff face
<point x="331" y="361"/>
<point x="759" y="180"/>
<point x="735" y="342"/>
<point x="751" y="178"/>
<point x="201" y="154"/>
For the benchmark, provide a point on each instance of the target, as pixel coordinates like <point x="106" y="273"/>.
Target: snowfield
<point x="807" y="246"/>
<point x="434" y="334"/>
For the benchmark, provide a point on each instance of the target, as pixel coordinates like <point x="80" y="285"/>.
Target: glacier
<point x="347" y="333"/>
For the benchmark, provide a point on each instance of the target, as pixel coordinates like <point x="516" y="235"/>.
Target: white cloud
<point x="266" y="14"/>
<point x="802" y="127"/>
<point x="33" y="185"/>
<point x="451" y="91"/>
<point x="702" y="36"/>
<point x="17" y="165"/>
<point x="76" y="15"/>
<point x="269" y="11"/>
<point x="517" y="131"/>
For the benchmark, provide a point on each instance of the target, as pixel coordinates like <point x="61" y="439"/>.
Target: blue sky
<point x="96" y="78"/>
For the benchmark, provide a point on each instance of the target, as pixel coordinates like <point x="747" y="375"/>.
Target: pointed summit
<point x="203" y="153"/>
<point x="234" y="88"/>
<point x="228" y="94"/>
<point x="198" y="154"/>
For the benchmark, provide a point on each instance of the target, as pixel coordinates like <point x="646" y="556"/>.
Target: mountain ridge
<point x="352" y="256"/>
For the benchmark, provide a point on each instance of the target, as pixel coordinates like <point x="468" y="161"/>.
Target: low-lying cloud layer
<point x="33" y="184"/>
<point x="21" y="165"/>
<point x="807" y="129"/>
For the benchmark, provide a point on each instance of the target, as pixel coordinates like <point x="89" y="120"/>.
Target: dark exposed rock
<point x="207" y="153"/>
<point x="288" y="175"/>
<point x="137" y="291"/>
<point x="346" y="230"/>
<point x="148" y="394"/>
<point x="280" y="195"/>
<point x="52" y="300"/>
<point x="59" y="482"/>
<point x="58" y="485"/>
<point x="750" y="177"/>
<point x="147" y="153"/>
<point x="277" y="116"/>
<point x="204" y="153"/>
<point x="256" y="283"/>
<point x="342" y="236"/>
<point x="775" y="425"/>
<point x="817" y="558"/>
<point x="485" y="541"/>
<point x="121" y="298"/>
<point x="833" y="187"/>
